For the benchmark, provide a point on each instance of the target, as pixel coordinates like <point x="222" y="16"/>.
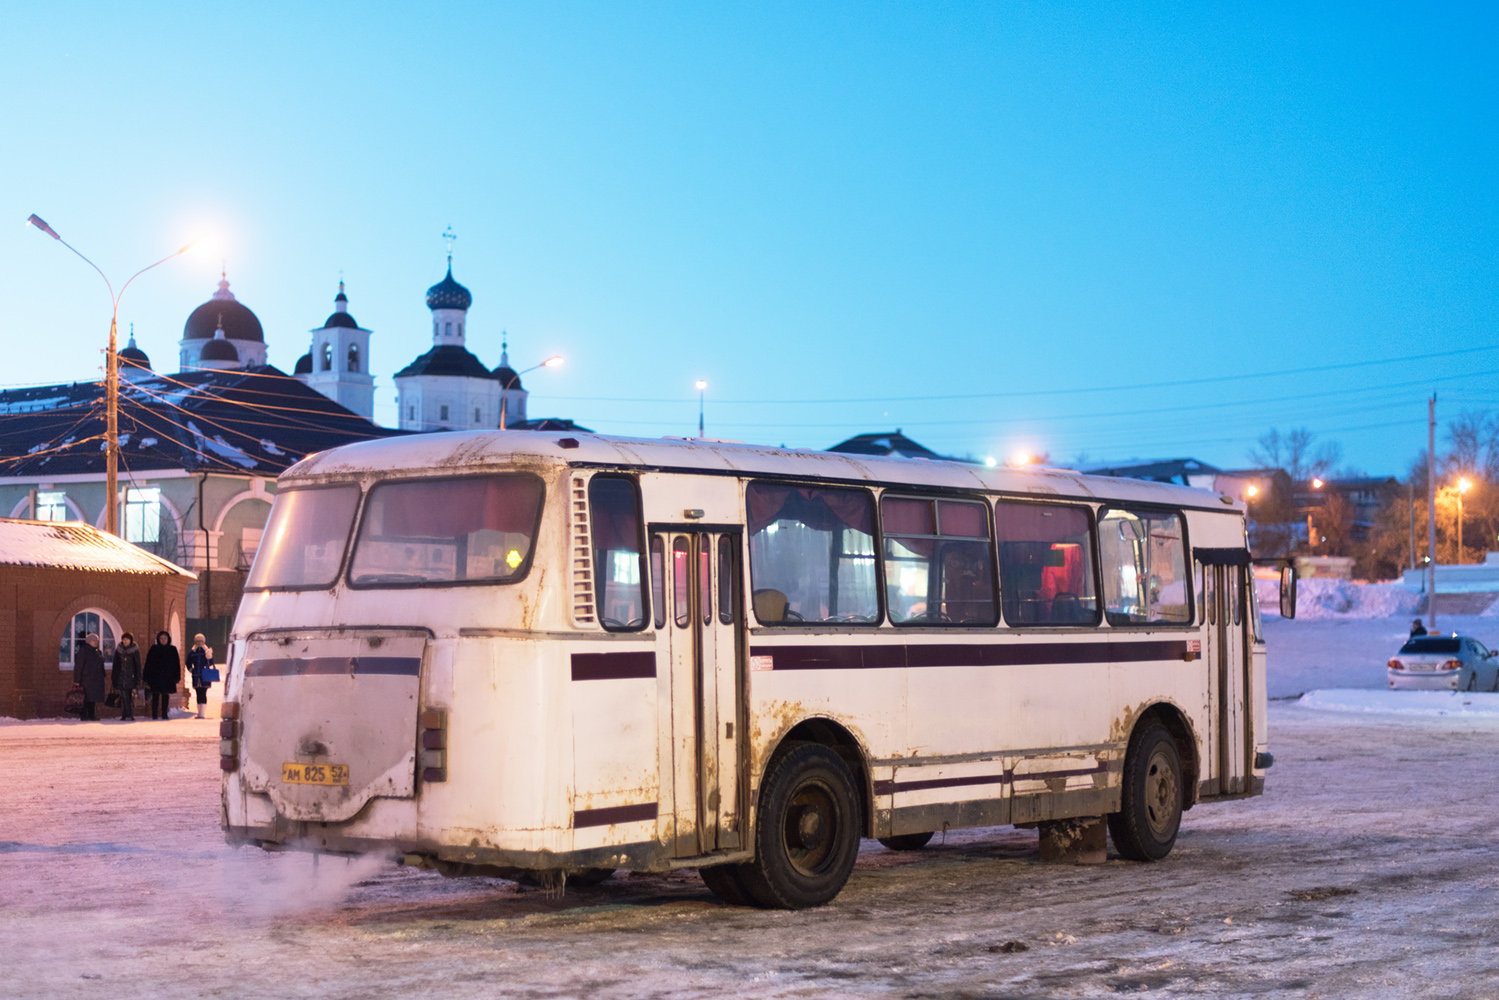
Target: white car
<point x="1444" y="661"/>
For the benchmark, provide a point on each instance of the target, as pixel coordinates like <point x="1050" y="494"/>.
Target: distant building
<point x="888" y="443"/>
<point x="448" y="388"/>
<point x="199" y="450"/>
<point x="63" y="581"/>
<point x="338" y="362"/>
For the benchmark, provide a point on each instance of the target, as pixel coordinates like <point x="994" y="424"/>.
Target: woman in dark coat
<point x="163" y="673"/>
<point x="200" y="658"/>
<point x="88" y="670"/>
<point x="126" y="676"/>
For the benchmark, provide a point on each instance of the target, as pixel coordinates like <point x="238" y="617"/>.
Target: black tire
<point x="906" y="842"/>
<point x="1473" y="681"/>
<point x="724" y="881"/>
<point x="1146" y="825"/>
<point x="806" y="830"/>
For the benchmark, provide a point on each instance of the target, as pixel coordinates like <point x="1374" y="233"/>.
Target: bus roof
<point x="473" y="451"/>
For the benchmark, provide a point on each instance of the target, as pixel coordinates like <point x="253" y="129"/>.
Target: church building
<point x="448" y="388"/>
<point x="338" y="363"/>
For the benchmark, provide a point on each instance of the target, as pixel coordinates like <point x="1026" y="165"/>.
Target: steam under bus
<point x="518" y="654"/>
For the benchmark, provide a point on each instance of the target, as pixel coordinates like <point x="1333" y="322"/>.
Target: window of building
<point x="327" y="357"/>
<point x="442" y="412"/>
<point x="1045" y="564"/>
<point x="1143" y="556"/>
<point x="447" y="328"/>
<point x="470" y="530"/>
<point x="51" y="506"/>
<point x="143" y="515"/>
<point x="939" y="568"/>
<point x="411" y="412"/>
<point x="618" y="548"/>
<point x="353" y="357"/>
<point x="460" y="328"/>
<point x="81" y="624"/>
<point x="476" y="415"/>
<point x="812" y="555"/>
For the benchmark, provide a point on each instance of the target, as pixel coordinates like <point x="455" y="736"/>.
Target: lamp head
<point x="1316" y="483"/>
<point x="1464" y="485"/>
<point x="552" y="362"/>
<point x="700" y="385"/>
<point x="40" y="223"/>
<point x="1252" y="492"/>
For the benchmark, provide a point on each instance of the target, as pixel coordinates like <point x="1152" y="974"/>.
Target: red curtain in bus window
<point x="452" y="507"/>
<point x="821" y="510"/>
<point x="909" y="517"/>
<point x="1066" y="578"/>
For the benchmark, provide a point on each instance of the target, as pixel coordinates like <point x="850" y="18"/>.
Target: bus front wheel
<point x="1150" y="814"/>
<point x="806" y="831"/>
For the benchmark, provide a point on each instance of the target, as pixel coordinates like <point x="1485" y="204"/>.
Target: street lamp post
<point x="551" y="362"/>
<point x="111" y="376"/>
<point x="702" y="386"/>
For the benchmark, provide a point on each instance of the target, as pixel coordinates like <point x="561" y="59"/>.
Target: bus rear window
<point x="303" y="544"/>
<point x="438" y="531"/>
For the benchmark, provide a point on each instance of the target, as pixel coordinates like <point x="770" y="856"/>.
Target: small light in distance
<point x="700" y="384"/>
<point x="1463" y="485"/>
<point x="552" y="362"/>
<point x="1316" y="484"/>
<point x="1252" y="492"/>
<point x="990" y="461"/>
<point x="1021" y="458"/>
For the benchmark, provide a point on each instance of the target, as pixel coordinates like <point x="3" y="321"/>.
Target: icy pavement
<point x="1349" y="652"/>
<point x="1466" y="704"/>
<point x="1369" y="869"/>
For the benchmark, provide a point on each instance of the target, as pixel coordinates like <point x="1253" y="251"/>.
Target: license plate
<point x="315" y="774"/>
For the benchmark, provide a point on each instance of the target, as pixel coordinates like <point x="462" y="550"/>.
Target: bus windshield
<point x="478" y="529"/>
<point x="303" y="544"/>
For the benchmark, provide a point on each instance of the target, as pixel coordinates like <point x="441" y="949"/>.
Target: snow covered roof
<point x="255" y="421"/>
<point x="74" y="545"/>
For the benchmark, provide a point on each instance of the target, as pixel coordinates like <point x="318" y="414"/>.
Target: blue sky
<point x="994" y="226"/>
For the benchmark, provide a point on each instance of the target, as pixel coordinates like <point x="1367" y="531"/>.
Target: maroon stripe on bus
<point x="613" y="814"/>
<point x="613" y="666"/>
<point x="890" y="787"/>
<point x="968" y="654"/>
<point x="293" y="666"/>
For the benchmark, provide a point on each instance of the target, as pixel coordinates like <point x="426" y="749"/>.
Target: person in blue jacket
<point x="199" y="659"/>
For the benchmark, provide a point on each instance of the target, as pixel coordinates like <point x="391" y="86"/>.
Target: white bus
<point x="517" y="653"/>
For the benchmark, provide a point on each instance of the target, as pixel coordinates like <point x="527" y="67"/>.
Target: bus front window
<point x="304" y="541"/>
<point x="439" y="531"/>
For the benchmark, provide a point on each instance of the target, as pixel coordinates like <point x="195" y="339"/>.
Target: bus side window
<point x="1045" y="564"/>
<point x="681" y="584"/>
<point x="1144" y="561"/>
<point x="811" y="553"/>
<point x="614" y="509"/>
<point x="1236" y="578"/>
<point x="939" y="565"/>
<point x="658" y="580"/>
<point x="728" y="580"/>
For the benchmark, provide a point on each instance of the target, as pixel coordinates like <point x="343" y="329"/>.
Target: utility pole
<point x="1410" y="493"/>
<point x="1431" y="512"/>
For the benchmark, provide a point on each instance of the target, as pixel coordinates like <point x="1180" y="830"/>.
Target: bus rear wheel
<point x="906" y="842"/>
<point x="806" y="831"/>
<point x="1150" y="813"/>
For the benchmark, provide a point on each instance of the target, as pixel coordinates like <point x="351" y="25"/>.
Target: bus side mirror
<point x="1288" y="591"/>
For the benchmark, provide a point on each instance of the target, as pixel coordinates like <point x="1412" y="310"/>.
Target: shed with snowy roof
<point x="59" y="582"/>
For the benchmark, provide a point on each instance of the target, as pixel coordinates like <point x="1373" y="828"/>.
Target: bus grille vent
<point x="582" y="557"/>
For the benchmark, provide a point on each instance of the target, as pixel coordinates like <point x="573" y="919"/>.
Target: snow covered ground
<point x="1369" y="869"/>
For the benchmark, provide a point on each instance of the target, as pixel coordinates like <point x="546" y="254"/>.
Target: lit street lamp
<point x="551" y="362"/>
<point x="702" y="386"/>
<point x="111" y="376"/>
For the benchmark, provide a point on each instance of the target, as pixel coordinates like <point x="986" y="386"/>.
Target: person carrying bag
<point x="200" y="665"/>
<point x="88" y="673"/>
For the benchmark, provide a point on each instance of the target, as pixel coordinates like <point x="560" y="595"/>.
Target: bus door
<point x="1227" y="657"/>
<point x="705" y="625"/>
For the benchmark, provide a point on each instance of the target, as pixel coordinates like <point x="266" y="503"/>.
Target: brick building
<point x="59" y="581"/>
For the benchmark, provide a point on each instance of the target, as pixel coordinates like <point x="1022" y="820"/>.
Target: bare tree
<point x="1296" y="452"/>
<point x="1474" y="437"/>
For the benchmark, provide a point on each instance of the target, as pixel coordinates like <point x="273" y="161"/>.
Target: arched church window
<point x="448" y="329"/>
<point x="78" y="627"/>
<point x="353" y="357"/>
<point x="327" y="357"/>
<point x="460" y="328"/>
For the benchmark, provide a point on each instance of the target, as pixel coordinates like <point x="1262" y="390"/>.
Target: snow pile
<point x="1433" y="703"/>
<point x="1318" y="598"/>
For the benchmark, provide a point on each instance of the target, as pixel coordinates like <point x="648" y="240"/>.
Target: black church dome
<point x="448" y="294"/>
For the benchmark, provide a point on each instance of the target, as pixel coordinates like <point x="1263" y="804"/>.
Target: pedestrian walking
<point x="162" y="674"/>
<point x="88" y="670"/>
<point x="199" y="662"/>
<point x="126" y="675"/>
